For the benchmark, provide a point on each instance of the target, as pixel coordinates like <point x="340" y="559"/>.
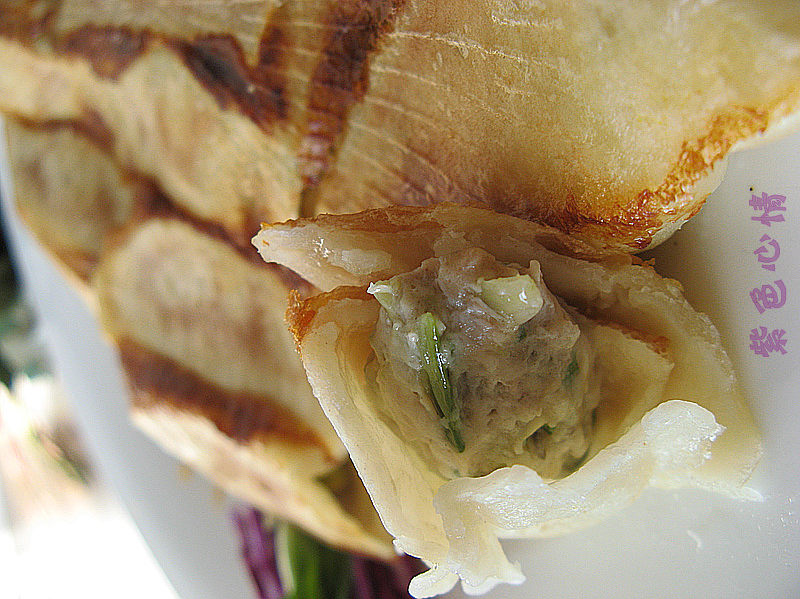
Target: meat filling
<point x="479" y="366"/>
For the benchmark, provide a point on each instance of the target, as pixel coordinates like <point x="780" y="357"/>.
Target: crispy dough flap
<point x="155" y="291"/>
<point x="68" y="193"/>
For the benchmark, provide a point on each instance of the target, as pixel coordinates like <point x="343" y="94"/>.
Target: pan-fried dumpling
<point x="606" y="120"/>
<point x="253" y="427"/>
<point x="600" y="118"/>
<point x="487" y="387"/>
<point x="214" y="379"/>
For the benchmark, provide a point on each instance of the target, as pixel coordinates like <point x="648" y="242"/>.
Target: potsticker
<point x="488" y="387"/>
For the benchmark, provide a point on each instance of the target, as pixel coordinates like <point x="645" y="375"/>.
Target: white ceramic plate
<point x="668" y="544"/>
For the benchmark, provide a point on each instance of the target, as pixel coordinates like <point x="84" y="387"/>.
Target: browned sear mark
<point x="90" y="125"/>
<point x="110" y="50"/>
<point x="240" y="415"/>
<point x="27" y="21"/>
<point x="157" y="204"/>
<point x="341" y="78"/>
<point x="218" y="63"/>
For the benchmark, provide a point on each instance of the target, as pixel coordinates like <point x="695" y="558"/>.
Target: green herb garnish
<point x="439" y="379"/>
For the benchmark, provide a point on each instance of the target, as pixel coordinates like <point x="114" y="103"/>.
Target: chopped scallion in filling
<point x="572" y="370"/>
<point x="439" y="378"/>
<point x="516" y="298"/>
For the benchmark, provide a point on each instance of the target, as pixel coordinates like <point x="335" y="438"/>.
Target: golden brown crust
<point x="68" y="193"/>
<point x="156" y="204"/>
<point x="177" y="301"/>
<point x="88" y="125"/>
<point x="301" y="312"/>
<point x="240" y="415"/>
<point x="271" y="476"/>
<point x="110" y="51"/>
<point x="636" y="225"/>
<point x="340" y="78"/>
<point x="217" y="61"/>
<point x="395" y="102"/>
<point x="560" y="177"/>
<point x="27" y="20"/>
<point x="256" y="431"/>
<point x="37" y="149"/>
<point x="149" y="200"/>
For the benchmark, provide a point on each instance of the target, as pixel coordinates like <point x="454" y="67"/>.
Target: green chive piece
<point x="571" y="372"/>
<point x="439" y="379"/>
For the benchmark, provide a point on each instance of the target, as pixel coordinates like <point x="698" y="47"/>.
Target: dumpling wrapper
<point x="696" y="432"/>
<point x="609" y="121"/>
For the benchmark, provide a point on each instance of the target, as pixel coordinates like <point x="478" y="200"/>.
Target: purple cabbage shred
<point x="258" y="550"/>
